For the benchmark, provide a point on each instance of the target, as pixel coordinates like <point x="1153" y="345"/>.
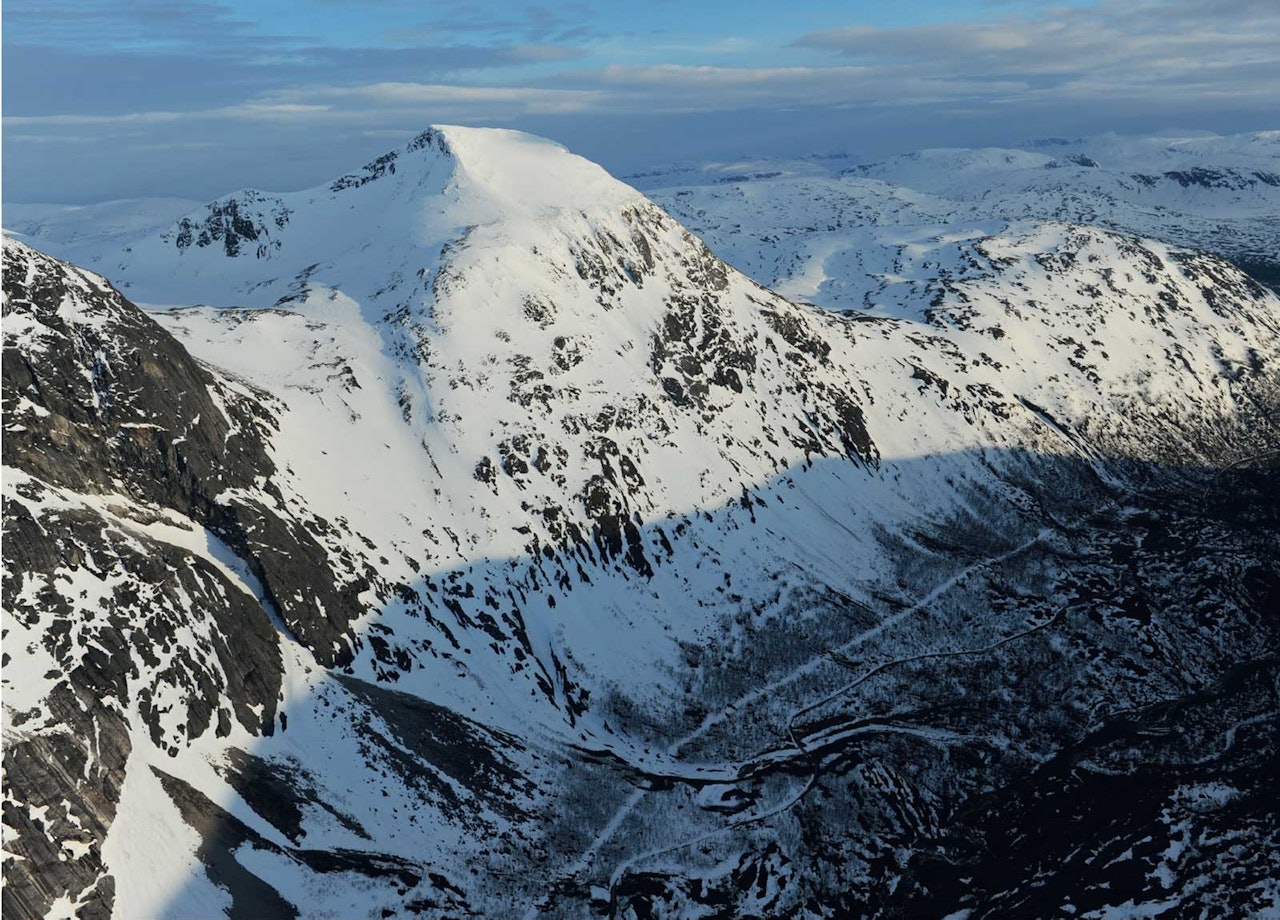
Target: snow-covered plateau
<point x="474" y="535"/>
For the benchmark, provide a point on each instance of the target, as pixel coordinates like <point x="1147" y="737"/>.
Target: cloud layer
<point x="1171" y="52"/>
<point x="235" y="98"/>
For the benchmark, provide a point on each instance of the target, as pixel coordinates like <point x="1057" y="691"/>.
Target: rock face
<point x="117" y="406"/>
<point x="491" y="547"/>
<point x="113" y="433"/>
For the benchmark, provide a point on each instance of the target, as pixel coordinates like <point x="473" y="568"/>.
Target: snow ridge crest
<point x="518" y="170"/>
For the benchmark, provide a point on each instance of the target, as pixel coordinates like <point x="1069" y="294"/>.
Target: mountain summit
<point x="364" y="227"/>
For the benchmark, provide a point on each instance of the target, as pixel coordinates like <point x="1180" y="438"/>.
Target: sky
<point x="106" y="99"/>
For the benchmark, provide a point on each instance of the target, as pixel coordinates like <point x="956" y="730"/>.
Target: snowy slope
<point x="87" y="231"/>
<point x="574" y="389"/>
<point x="829" y="240"/>
<point x="160" y="595"/>
<point x="605" y="525"/>
<point x="1258" y="150"/>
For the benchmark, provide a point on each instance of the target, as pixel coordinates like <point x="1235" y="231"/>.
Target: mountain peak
<point x="409" y="205"/>
<point x="521" y="171"/>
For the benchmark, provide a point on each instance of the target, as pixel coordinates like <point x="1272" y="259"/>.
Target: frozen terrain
<point x="845" y="236"/>
<point x="465" y="537"/>
<point x="93" y="228"/>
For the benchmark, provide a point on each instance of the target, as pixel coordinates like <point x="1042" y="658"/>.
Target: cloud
<point x="541" y="54"/>
<point x="723" y="45"/>
<point x="1188" y="53"/>
<point x="289" y="94"/>
<point x="126" y="56"/>
<point x="48" y="139"/>
<point x="615" y="90"/>
<point x="248" y="112"/>
<point x="532" y="23"/>
<point x="50" y="79"/>
<point x="356" y="105"/>
<point x="1175" y="50"/>
<point x="134" y="24"/>
<point x="682" y="88"/>
<point x="504" y="100"/>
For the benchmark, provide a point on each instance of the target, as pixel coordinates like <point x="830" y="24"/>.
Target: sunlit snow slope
<point x="841" y="235"/>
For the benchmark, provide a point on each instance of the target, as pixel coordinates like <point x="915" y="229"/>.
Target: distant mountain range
<point x="473" y="535"/>
<point x="846" y="236"/>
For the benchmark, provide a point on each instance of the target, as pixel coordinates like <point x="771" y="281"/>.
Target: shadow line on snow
<point x="1003" y="498"/>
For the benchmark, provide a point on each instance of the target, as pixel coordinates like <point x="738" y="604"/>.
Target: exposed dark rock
<point x="129" y="410"/>
<point x="99" y="401"/>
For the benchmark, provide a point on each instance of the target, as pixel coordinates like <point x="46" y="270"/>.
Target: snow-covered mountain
<point x="92" y="228"/>
<point x="484" y="544"/>
<point x="837" y="240"/>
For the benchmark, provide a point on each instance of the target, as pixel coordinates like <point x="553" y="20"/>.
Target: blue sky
<point x="145" y="97"/>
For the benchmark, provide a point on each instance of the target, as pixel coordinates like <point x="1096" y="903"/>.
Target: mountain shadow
<point x="1071" y="706"/>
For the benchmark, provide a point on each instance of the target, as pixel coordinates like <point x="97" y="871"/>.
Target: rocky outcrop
<point x="129" y="470"/>
<point x="100" y="399"/>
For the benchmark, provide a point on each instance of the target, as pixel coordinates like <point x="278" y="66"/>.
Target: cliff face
<point x="117" y="449"/>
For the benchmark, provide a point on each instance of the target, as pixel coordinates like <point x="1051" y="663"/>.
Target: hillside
<point x="835" y="237"/>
